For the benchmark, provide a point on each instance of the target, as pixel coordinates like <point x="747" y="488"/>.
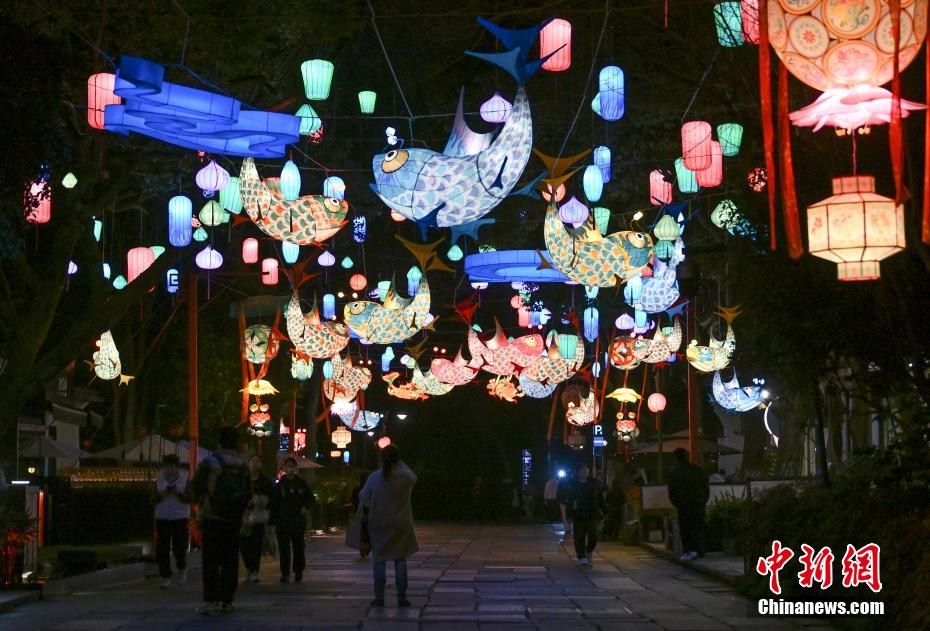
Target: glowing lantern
<point x="413" y="280"/>
<point x="455" y="253"/>
<point x="269" y="271"/>
<point x="334" y="186"/>
<point x="728" y="20"/>
<point x="38" y="202"/>
<point x="611" y="85"/>
<point x="724" y="213"/>
<point x="309" y="121"/>
<point x="666" y="229"/>
<point x="750" y="18"/>
<point x="383" y="442"/>
<point x="496" y="109"/>
<point x="341" y="436"/>
<point x="137" y="261"/>
<point x="106" y="270"/>
<point x="72" y="268"/>
<point x="656" y="402"/>
<point x="230" y="199"/>
<point x="358" y="282"/>
<point x="98" y="229"/>
<point x="318" y="77"/>
<point x="396" y="216"/>
<point x="326" y="259"/>
<point x="568" y="344"/>
<point x="593" y="183"/>
<point x="329" y="306"/>
<point x="685" y="177"/>
<point x="601" y="218"/>
<point x="290" y="252"/>
<point x="591" y="323"/>
<point x="757" y="178"/>
<point x="855" y="228"/>
<point x="516" y="301"/>
<point x="69" y="180"/>
<point x="602" y="161"/>
<point x="596" y="104"/>
<point x="212" y="215"/>
<point x="695" y="145"/>
<point x="212" y="177"/>
<point x="383" y="287"/>
<point x="359" y="229"/>
<point x="99" y="95"/>
<point x="208" y="258"/>
<point x="119" y="282"/>
<point x="250" y="250"/>
<point x="559" y="194"/>
<point x="366" y="101"/>
<point x="179" y="221"/>
<point x="523" y="316"/>
<point x="731" y="137"/>
<point x="200" y="235"/>
<point x="290" y="181"/>
<point x="347" y="263"/>
<point x="660" y="190"/>
<point x="556" y="39"/>
<point x="172" y="281"/>
<point x="157" y="250"/>
<point x="573" y="212"/>
<point x="328" y="369"/>
<point x="712" y="175"/>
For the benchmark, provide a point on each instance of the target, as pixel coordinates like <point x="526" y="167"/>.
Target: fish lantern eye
<point x="333" y="203"/>
<point x="356" y="308"/>
<point x="393" y="160"/>
<point x="637" y="239"/>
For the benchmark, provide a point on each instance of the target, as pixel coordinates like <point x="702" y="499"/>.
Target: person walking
<point x="585" y="507"/>
<point x="688" y="491"/>
<point x="221" y="486"/>
<point x="386" y="497"/>
<point x="550" y="499"/>
<point x="293" y="499"/>
<point x="256" y="518"/>
<point x="172" y="512"/>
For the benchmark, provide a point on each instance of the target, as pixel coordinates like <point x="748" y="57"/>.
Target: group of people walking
<point x="239" y="505"/>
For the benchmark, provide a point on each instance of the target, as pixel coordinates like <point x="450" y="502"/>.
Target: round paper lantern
<point x="212" y="215"/>
<point x="326" y="259"/>
<point x="656" y="402"/>
<point x="290" y="181"/>
<point x="855" y="228"/>
<point x="611" y="85"/>
<point x="290" y="252"/>
<point x="366" y="101"/>
<point x="269" y="271"/>
<point x="660" y="190"/>
<point x="724" y="214"/>
<point x="230" y="199"/>
<point x="516" y="301"/>
<point x="335" y="187"/>
<point x="328" y="369"/>
<point x="309" y="120"/>
<point x="413" y="280"/>
<point x="180" y="212"/>
<point x="455" y="253"/>
<point x="496" y="109"/>
<point x="329" y="306"/>
<point x="695" y="144"/>
<point x="573" y="212"/>
<point x="684" y="176"/>
<point x="259" y="344"/>
<point x="731" y="137"/>
<point x="383" y="442"/>
<point x="38" y="202"/>
<point x="208" y="258"/>
<point x="757" y="179"/>
<point x="713" y="174"/>
<point x="212" y="177"/>
<point x="318" y="77"/>
<point x="347" y="263"/>
<point x="559" y="194"/>
<point x="593" y="183"/>
<point x="728" y="21"/>
<point x="99" y="95"/>
<point x="601" y="218"/>
<point x="556" y="39"/>
<point x="358" y="282"/>
<point x="602" y="160"/>
<point x="666" y="229"/>
<point x="749" y="10"/>
<point x="69" y="180"/>
<point x="137" y="261"/>
<point x="250" y="250"/>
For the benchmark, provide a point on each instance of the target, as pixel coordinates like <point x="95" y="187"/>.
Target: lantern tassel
<point x="788" y="193"/>
<point x="768" y="133"/>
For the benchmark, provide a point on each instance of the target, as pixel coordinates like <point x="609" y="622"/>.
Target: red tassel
<point x="788" y="193"/>
<point x="768" y="133"/>
<point x="894" y="127"/>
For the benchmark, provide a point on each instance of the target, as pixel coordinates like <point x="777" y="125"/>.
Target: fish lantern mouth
<point x="394" y="159"/>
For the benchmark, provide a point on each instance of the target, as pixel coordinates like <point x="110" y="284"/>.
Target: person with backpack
<point x="291" y="502"/>
<point x="222" y="486"/>
<point x="172" y="512"/>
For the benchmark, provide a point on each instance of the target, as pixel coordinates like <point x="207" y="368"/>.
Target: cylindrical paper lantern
<point x="660" y="191"/>
<point x="602" y="160"/>
<point x="329" y="306"/>
<point x="413" y="280"/>
<point x="593" y="183"/>
<point x="38" y="202"/>
<point x="250" y="250"/>
<point x="318" y="77"/>
<point x="523" y="316"/>
<point x="696" y="138"/>
<point x="290" y="252"/>
<point x="99" y="95"/>
<point x="172" y="281"/>
<point x="591" y="323"/>
<point x="335" y="187"/>
<point x="730" y="136"/>
<point x="137" y="261"/>
<point x="568" y="344"/>
<point x="713" y="174"/>
<point x="611" y="85"/>
<point x="366" y="101"/>
<point x="728" y="21"/>
<point x="556" y="37"/>
<point x="230" y="199"/>
<point x="687" y="183"/>
<point x="749" y="10"/>
<point x="269" y="271"/>
<point x="290" y="181"/>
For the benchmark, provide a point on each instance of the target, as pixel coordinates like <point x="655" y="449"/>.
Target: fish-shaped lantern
<point x="394" y="320"/>
<point x="456" y="372"/>
<point x="661" y="347"/>
<point x="406" y="391"/>
<point x="730" y="396"/>
<point x="551" y="367"/>
<point x="621" y="353"/>
<point x="312" y="337"/>
<point x="660" y="291"/>
<point x="308" y="219"/>
<point x="260" y="344"/>
<point x="500" y="356"/>
<point x="715" y="356"/>
<point x="504" y="388"/>
<point x="347" y="380"/>
<point x="426" y="382"/>
<point x="585" y="412"/>
<point x="475" y="172"/>
<point x="592" y="259"/>
<point x="106" y="361"/>
<point x="535" y="389"/>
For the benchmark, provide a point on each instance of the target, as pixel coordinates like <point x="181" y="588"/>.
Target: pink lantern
<point x="695" y="145"/>
<point x="749" y="10"/>
<point x="383" y="442"/>
<point x="358" y="282"/>
<point x="660" y="190"/>
<point x="396" y="216"/>
<point x="269" y="271"/>
<point x="523" y="317"/>
<point x="559" y="194"/>
<point x="38" y="202"/>
<point x="556" y="37"/>
<point x="713" y="174"/>
<point x="99" y="95"/>
<point x="250" y="250"/>
<point x="137" y="261"/>
<point x="656" y="402"/>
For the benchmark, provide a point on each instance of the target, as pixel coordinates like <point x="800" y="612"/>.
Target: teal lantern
<point x="728" y="20"/>
<point x="230" y="199"/>
<point x="318" y="77"/>
<point x="290" y="181"/>
<point x="383" y="287"/>
<point x="290" y="252"/>
<point x="119" y="282"/>
<point x="157" y="250"/>
<point x="328" y="369"/>
<point x="601" y="218"/>
<point x="602" y="159"/>
<point x="366" y="101"/>
<point x="347" y="263"/>
<point x="687" y="182"/>
<point x="596" y="104"/>
<point x="106" y="270"/>
<point x="413" y="280"/>
<point x="568" y="345"/>
<point x="664" y="249"/>
<point x="309" y="120"/>
<point x="455" y="253"/>
<point x="200" y="235"/>
<point x="98" y="230"/>
<point x="593" y="183"/>
<point x="730" y="136"/>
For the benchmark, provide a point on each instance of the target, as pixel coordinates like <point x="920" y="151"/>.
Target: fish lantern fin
<point x="518" y="43"/>
<point x="530" y="188"/>
<point x="556" y="167"/>
<point x="429" y="221"/>
<point x="464" y="141"/>
<point x="499" y="180"/>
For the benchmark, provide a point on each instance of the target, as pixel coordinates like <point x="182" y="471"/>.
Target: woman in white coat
<point x="386" y="499"/>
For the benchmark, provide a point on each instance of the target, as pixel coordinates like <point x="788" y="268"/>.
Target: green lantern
<point x="230" y="199"/>
<point x="98" y="230"/>
<point x="728" y="21"/>
<point x="157" y="250"/>
<point x="69" y="180"/>
<point x="601" y="218"/>
<point x="664" y="249"/>
<point x="366" y="101"/>
<point x="568" y="344"/>
<point x="212" y="215"/>
<point x="347" y="263"/>
<point x="731" y="137"/>
<point x="666" y="229"/>
<point x="687" y="181"/>
<point x="318" y="77"/>
<point x="309" y="120"/>
<point x="725" y="212"/>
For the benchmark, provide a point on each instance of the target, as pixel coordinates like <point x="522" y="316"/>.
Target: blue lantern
<point x="333" y="186"/>
<point x="602" y="160"/>
<point x="611" y="85"/>
<point x="119" y="282"/>
<point x="591" y="324"/>
<point x="290" y="252"/>
<point x="180" y="211"/>
<point x="413" y="280"/>
<point x="347" y="263"/>
<point x="328" y="369"/>
<point x="359" y="229"/>
<point x="172" y="281"/>
<point x="593" y="183"/>
<point x="329" y="306"/>
<point x="290" y="181"/>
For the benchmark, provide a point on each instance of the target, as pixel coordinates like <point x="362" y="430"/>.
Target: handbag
<point x="256" y="516"/>
<point x="354" y="532"/>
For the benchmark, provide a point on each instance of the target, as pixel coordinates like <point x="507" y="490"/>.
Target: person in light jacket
<point x="386" y="499"/>
<point x="172" y="512"/>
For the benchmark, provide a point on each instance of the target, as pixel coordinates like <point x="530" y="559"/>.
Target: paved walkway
<point x="465" y="577"/>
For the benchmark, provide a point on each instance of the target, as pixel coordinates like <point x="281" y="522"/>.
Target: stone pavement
<point x="465" y="577"/>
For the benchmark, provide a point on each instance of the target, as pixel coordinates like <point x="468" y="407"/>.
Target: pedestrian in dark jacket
<point x="256" y="518"/>
<point x="292" y="501"/>
<point x="584" y="503"/>
<point x="688" y="491"/>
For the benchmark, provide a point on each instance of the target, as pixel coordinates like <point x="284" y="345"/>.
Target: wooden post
<point x="193" y="429"/>
<point x="292" y="421"/>
<point x="694" y="393"/>
<point x="659" y="476"/>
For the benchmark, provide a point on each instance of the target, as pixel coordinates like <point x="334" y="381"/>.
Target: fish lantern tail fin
<point x="529" y="189"/>
<point x="518" y="43"/>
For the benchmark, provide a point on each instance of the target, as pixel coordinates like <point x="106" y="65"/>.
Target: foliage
<point x="726" y="520"/>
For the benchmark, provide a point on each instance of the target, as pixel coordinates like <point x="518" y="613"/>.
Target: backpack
<point x="232" y="492"/>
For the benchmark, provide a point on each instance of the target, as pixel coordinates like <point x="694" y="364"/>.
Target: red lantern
<point x="556" y="35"/>
<point x="559" y="193"/>
<point x="99" y="95"/>
<point x="383" y="442"/>
<point x="713" y="174"/>
<point x="250" y="250"/>
<point x="516" y="302"/>
<point x="750" y="14"/>
<point x="660" y="190"/>
<point x="38" y="202"/>
<point x="358" y="282"/>
<point x="695" y="145"/>
<point x="138" y="260"/>
<point x="269" y="271"/>
<point x="656" y="402"/>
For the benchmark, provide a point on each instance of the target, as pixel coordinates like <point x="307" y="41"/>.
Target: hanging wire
<point x="387" y="58"/>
